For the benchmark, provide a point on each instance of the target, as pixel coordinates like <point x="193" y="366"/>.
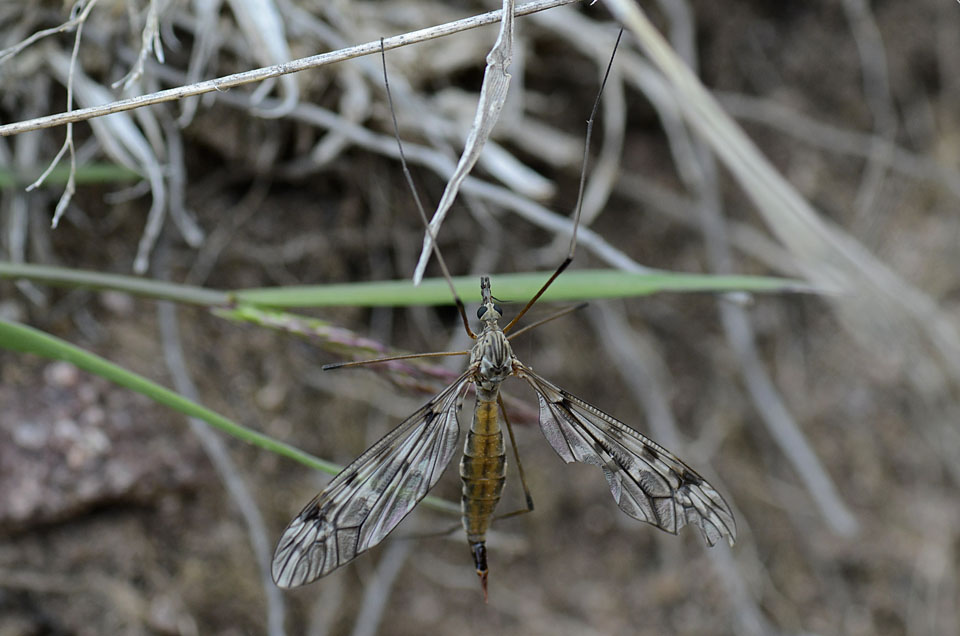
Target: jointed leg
<point x="516" y="455"/>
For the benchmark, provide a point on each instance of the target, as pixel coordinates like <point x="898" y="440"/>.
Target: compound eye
<point x="497" y="309"/>
<point x="480" y="311"/>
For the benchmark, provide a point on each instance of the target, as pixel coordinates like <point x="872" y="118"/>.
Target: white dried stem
<point x="493" y="94"/>
<point x="260" y="74"/>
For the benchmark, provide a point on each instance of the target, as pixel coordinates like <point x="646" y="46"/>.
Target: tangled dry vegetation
<point x="829" y="421"/>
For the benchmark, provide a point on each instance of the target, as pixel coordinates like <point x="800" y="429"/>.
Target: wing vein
<point x="367" y="500"/>
<point x="647" y="481"/>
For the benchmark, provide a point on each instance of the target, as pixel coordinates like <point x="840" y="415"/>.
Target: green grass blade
<point x="571" y="286"/>
<point x="17" y="337"/>
<point x="23" y="339"/>
<point x="90" y="173"/>
<point x="136" y="285"/>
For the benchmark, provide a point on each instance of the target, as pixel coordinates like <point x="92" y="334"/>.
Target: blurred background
<point x="828" y="421"/>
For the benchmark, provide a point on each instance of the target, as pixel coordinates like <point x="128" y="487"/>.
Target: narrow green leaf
<point x="572" y="285"/>
<point x="24" y="339"/>
<point x="85" y="174"/>
<point x="86" y="279"/>
<point x="17" y="337"/>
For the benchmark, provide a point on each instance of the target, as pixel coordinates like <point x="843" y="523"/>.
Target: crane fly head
<point x="488" y="312"/>
<point x="492" y="352"/>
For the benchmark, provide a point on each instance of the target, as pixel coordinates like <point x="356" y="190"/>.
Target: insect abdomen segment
<point x="483" y="470"/>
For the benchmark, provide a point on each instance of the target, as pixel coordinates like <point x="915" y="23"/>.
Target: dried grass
<point x="854" y="533"/>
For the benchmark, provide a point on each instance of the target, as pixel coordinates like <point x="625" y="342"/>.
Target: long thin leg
<point x="579" y="206"/>
<point x="516" y="455"/>
<point x="416" y="198"/>
<point x="407" y="356"/>
<point x="432" y="535"/>
<point x="562" y="312"/>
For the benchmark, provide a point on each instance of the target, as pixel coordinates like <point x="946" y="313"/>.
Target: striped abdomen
<point x="483" y="471"/>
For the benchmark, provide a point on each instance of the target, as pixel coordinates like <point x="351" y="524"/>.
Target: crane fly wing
<point x="373" y="494"/>
<point x="648" y="482"/>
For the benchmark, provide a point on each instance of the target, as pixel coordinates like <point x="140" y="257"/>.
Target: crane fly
<point x="369" y="497"/>
<point x="374" y="493"/>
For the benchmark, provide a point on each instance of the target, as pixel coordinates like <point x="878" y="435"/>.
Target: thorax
<point x="494" y="359"/>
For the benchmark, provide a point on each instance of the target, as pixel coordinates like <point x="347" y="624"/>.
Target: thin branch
<point x="260" y="74"/>
<point x="149" y="43"/>
<point x="443" y="166"/>
<point x="11" y="51"/>
<point x="71" y="186"/>
<point x="493" y="95"/>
